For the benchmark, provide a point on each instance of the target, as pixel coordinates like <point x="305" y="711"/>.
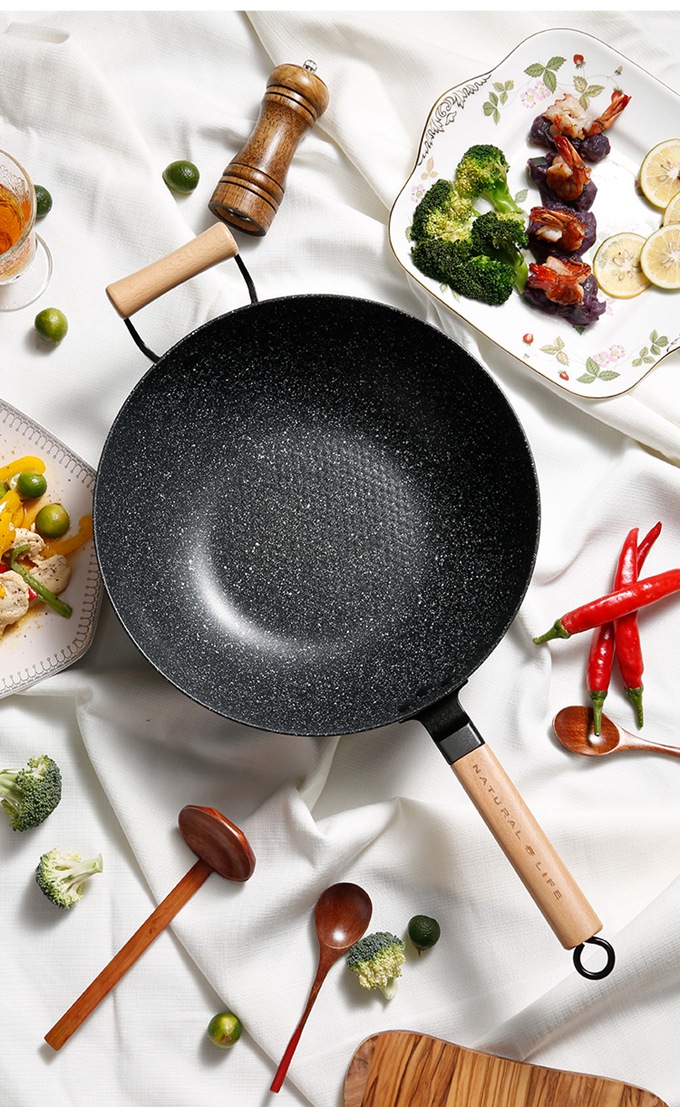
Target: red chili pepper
<point x="614" y="605"/>
<point x="604" y="643"/>
<point x="627" y="635"/>
<point x="600" y="660"/>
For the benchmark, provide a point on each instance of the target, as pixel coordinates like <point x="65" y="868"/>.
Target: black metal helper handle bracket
<point x="139" y="342"/>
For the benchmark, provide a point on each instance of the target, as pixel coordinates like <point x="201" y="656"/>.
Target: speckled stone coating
<point x="316" y="515"/>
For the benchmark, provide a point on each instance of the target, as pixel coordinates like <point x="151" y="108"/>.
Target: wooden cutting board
<point x="404" y="1069"/>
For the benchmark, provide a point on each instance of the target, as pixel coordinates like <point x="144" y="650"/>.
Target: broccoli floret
<point x="474" y="276"/>
<point x="442" y="213"/>
<point x="377" y="959"/>
<point x="62" y="876"/>
<point x="502" y="235"/>
<point x="30" y="794"/>
<point x="437" y="258"/>
<point x="485" y="279"/>
<point x="482" y="172"/>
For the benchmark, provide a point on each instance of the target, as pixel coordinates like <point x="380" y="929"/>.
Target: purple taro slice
<point x="579" y="315"/>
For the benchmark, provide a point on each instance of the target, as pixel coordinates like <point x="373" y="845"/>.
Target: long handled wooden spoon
<point x="341" y="916"/>
<point x="573" y="726"/>
<point x="221" y="847"/>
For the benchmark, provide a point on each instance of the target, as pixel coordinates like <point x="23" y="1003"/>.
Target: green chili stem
<point x="597" y="699"/>
<point x="40" y="589"/>
<point x="635" y="697"/>
<point x="557" y="630"/>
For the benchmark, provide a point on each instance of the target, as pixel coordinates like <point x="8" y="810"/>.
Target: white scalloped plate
<point x="43" y="642"/>
<point x="498" y="107"/>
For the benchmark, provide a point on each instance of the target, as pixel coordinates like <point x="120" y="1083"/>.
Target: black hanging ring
<point x="599" y="974"/>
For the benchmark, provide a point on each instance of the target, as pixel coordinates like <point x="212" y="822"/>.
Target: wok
<point x="318" y="515"/>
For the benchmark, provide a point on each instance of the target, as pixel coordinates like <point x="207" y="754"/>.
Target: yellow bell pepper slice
<point x="69" y="542"/>
<point x="6" y="530"/>
<point x="11" y="516"/>
<point x="31" y="509"/>
<point x="36" y="464"/>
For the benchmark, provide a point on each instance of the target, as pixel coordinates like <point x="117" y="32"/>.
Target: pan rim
<point x="409" y="708"/>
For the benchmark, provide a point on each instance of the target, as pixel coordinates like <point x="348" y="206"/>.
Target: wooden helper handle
<point x="131" y="293"/>
<point x="527" y="848"/>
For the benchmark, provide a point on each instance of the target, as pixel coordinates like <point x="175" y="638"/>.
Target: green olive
<point x="29" y="484"/>
<point x="52" y="521"/>
<point x="224" y="1029"/>
<point x="43" y="201"/>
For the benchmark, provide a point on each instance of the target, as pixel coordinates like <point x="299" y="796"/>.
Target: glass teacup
<point x="25" y="262"/>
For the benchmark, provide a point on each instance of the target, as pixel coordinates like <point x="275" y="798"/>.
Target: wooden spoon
<point x="341" y="916"/>
<point x="573" y="726"/>
<point x="222" y="848"/>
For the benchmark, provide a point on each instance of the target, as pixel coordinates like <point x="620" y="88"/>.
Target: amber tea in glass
<point x="25" y="263"/>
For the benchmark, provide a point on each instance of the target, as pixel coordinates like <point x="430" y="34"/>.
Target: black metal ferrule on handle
<point x="451" y="728"/>
<point x="595" y="974"/>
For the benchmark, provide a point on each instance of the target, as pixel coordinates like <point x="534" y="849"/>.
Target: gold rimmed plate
<point x="610" y="356"/>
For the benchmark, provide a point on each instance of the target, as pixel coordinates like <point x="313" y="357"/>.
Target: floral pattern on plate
<point x="632" y="336"/>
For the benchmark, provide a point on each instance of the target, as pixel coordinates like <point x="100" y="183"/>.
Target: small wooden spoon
<point x="341" y="916"/>
<point x="573" y="727"/>
<point x="222" y="848"/>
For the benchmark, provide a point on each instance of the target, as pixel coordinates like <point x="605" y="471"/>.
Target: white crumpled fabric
<point x="97" y="104"/>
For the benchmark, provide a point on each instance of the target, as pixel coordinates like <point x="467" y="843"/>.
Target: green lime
<point x="224" y="1029"/>
<point x="181" y="176"/>
<point x="43" y="201"/>
<point x="51" y="324"/>
<point x="52" y="521"/>
<point x="424" y="932"/>
<point x="29" y="484"/>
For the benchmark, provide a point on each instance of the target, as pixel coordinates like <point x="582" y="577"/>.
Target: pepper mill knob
<point x="251" y="188"/>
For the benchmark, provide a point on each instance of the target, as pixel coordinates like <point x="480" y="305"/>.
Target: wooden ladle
<point x="341" y="916"/>
<point x="573" y="727"/>
<point x="222" y="848"/>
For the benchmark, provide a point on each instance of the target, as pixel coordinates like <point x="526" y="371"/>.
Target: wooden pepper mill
<point x="252" y="186"/>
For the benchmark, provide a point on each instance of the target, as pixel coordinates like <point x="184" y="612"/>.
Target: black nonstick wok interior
<point x="316" y="515"/>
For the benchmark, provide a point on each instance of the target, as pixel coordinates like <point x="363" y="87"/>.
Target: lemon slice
<point x="659" y="176"/>
<point x="672" y="211"/>
<point x="660" y="257"/>
<point x="616" y="266"/>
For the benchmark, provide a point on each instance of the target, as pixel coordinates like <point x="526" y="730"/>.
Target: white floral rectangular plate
<point x="44" y="642"/>
<point x="614" y="353"/>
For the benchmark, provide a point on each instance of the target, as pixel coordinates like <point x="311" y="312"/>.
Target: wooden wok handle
<point x="527" y="848"/>
<point x="131" y="293"/>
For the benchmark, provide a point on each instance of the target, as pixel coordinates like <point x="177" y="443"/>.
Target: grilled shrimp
<point x="557" y="227"/>
<point x="568" y="118"/>
<point x="603" y="122"/>
<point x="568" y="174"/>
<point x="560" y="279"/>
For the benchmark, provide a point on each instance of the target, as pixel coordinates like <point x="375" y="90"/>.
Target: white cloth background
<point x="96" y="104"/>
